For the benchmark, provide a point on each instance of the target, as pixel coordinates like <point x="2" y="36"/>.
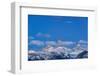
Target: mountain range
<point x="49" y="52"/>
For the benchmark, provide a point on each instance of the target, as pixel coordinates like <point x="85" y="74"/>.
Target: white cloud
<point x="59" y="42"/>
<point x="83" y="41"/>
<point x="43" y="35"/>
<point x="65" y="42"/>
<point x="50" y="43"/>
<point x="37" y="42"/>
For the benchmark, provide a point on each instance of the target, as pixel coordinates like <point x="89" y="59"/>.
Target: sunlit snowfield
<point x="57" y="37"/>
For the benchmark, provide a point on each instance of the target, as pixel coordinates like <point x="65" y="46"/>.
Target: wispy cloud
<point x="37" y="42"/>
<point x="43" y="35"/>
<point x="65" y="42"/>
<point x="53" y="43"/>
<point x="83" y="41"/>
<point x="58" y="43"/>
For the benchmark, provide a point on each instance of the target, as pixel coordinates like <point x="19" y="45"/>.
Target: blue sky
<point x="44" y="30"/>
<point x="68" y="28"/>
